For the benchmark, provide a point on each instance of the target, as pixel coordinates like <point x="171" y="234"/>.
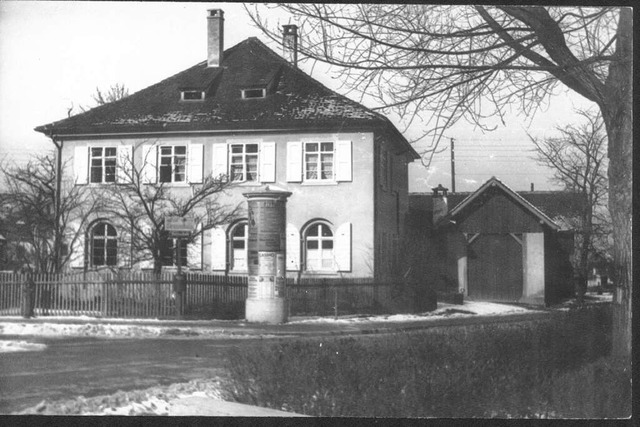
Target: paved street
<point x="90" y="367"/>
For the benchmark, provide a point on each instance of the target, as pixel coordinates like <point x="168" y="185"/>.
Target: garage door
<point x="495" y="268"/>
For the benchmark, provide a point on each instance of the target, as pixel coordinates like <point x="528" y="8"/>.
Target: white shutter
<point x="343" y="161"/>
<point x="342" y="251"/>
<point x="147" y="262"/>
<point x="77" y="247"/>
<point x="294" y="161"/>
<point x="148" y="165"/>
<point x="124" y="247"/>
<point x="268" y="162"/>
<point x="125" y="163"/>
<point x="195" y="163"/>
<point x="218" y="249"/>
<point x="293" y="248"/>
<point x="81" y="164"/>
<point x="219" y="160"/>
<point x="194" y="252"/>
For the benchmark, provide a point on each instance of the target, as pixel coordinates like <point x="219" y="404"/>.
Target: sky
<point x="53" y="56"/>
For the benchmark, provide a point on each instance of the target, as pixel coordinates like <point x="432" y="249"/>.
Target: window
<point x="192" y="95"/>
<point x="244" y="162"/>
<point x="238" y="242"/>
<point x="103" y="164"/>
<point x="173" y="160"/>
<point x="318" y="244"/>
<point x="104" y="245"/>
<point x="253" y="93"/>
<point x="318" y="161"/>
<point x="168" y="253"/>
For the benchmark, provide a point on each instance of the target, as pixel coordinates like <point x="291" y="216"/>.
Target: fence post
<point x="28" y="291"/>
<point x="335" y="300"/>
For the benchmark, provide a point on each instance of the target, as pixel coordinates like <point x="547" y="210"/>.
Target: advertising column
<point x="266" y="256"/>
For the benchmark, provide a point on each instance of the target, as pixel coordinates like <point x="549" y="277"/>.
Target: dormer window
<point x="192" y="95"/>
<point x="254" y="93"/>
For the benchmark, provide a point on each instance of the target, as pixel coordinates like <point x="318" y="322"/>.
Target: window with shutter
<point x="149" y="162"/>
<point x="343" y="247"/>
<point x="80" y="162"/>
<point x="238" y="242"/>
<point x="219" y="161"/>
<point x="194" y="252"/>
<point x="318" y="245"/>
<point x="294" y="161"/>
<point x="293" y="248"/>
<point x="218" y="248"/>
<point x="343" y="161"/>
<point x="196" y="152"/>
<point x="268" y="162"/>
<point x="125" y="164"/>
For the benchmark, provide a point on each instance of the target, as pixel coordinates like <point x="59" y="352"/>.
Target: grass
<point x="551" y="368"/>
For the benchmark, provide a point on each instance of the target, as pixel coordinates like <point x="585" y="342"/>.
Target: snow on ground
<point x="469" y="308"/>
<point x="12" y="346"/>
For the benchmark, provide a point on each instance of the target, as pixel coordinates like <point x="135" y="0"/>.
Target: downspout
<point x="58" y="249"/>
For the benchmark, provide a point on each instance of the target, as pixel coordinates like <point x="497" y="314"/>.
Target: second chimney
<point x="440" y="205"/>
<point x="215" y="37"/>
<point x="290" y="43"/>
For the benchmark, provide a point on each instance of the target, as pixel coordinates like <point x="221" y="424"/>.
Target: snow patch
<point x="11" y="346"/>
<point x="468" y="308"/>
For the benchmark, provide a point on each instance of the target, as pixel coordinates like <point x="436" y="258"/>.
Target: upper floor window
<point x="238" y="236"/>
<point x="173" y="160"/>
<point x="318" y="244"/>
<point x="318" y="161"/>
<point x="102" y="164"/>
<point x="103" y="245"/>
<point x="244" y="162"/>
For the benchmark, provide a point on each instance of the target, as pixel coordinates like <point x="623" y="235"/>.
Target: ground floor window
<point x="168" y="253"/>
<point x="318" y="244"/>
<point x="238" y="236"/>
<point x="103" y="245"/>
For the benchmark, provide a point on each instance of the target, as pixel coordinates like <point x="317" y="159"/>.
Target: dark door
<point x="495" y="268"/>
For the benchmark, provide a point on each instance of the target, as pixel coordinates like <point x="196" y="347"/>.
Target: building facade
<point x="252" y="117"/>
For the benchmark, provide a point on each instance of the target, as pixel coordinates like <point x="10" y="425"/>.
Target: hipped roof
<point x="295" y="101"/>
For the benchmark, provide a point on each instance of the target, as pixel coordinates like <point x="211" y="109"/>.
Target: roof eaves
<point x="495" y="181"/>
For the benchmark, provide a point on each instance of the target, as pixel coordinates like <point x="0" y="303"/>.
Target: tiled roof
<point x="555" y="205"/>
<point x="294" y="101"/>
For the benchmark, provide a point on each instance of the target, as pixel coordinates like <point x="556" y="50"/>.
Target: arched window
<point x="318" y="244"/>
<point x="238" y="236"/>
<point x="104" y="245"/>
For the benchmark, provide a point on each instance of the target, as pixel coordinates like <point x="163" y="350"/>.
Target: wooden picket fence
<point x="207" y="296"/>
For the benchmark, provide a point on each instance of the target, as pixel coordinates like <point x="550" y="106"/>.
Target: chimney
<point x="532" y="187"/>
<point x="215" y="37"/>
<point x="440" y="207"/>
<point x="290" y="43"/>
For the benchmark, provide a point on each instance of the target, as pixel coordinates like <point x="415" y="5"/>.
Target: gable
<point x="494" y="212"/>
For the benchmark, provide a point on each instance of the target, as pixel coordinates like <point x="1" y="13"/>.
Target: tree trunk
<point x="617" y="107"/>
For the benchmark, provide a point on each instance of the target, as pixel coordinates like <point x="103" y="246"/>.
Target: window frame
<point x="172" y="248"/>
<point x="110" y="241"/>
<point x="183" y="96"/>
<point x="319" y="162"/>
<point x="103" y="167"/>
<point x="173" y="156"/>
<point x="320" y="239"/>
<point x="244" y="163"/>
<point x="245" y="93"/>
<point x="232" y="239"/>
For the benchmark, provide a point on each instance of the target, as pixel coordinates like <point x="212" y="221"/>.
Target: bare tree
<point x="475" y="62"/>
<point x="578" y="159"/>
<point x="114" y="93"/>
<point x="141" y="207"/>
<point x="101" y="97"/>
<point x="35" y="216"/>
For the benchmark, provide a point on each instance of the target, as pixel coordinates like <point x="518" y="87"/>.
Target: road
<point x="71" y="367"/>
